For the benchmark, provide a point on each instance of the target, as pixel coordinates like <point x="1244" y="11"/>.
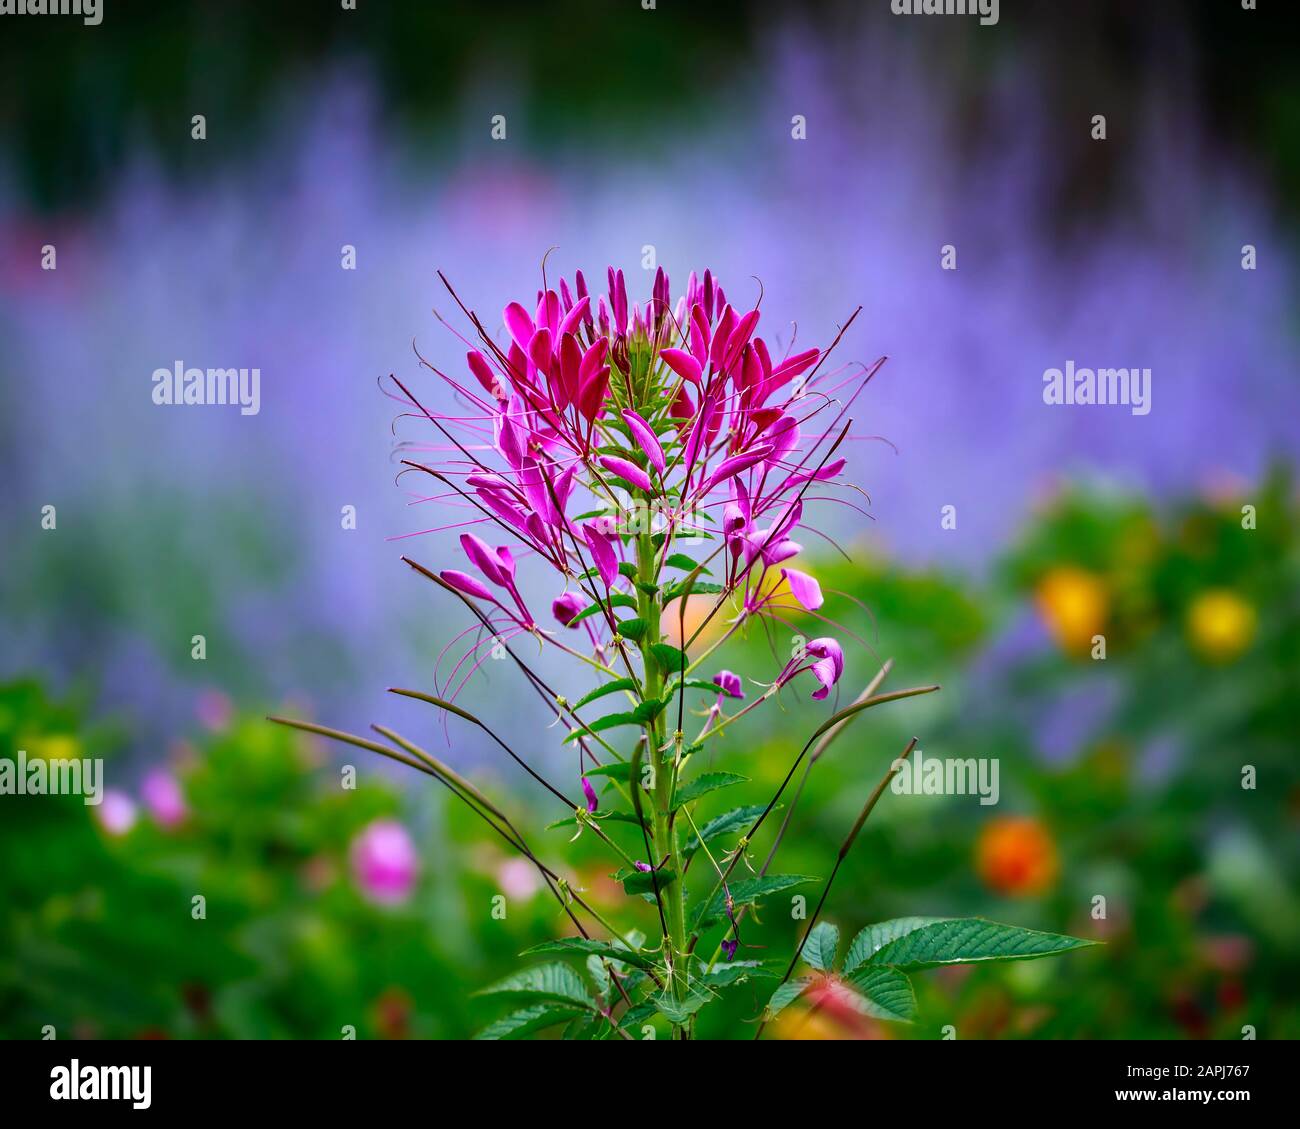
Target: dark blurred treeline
<point x="75" y="100"/>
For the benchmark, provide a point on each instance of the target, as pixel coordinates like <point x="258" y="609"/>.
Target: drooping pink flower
<point x="385" y="863"/>
<point x="566" y="606"/>
<point x="590" y="794"/>
<point x="729" y="684"/>
<point x="827" y="665"/>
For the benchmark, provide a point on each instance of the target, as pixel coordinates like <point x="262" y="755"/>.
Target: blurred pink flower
<point x="116" y="814"/>
<point x="385" y="862"/>
<point x="518" y="878"/>
<point x="162" y="795"/>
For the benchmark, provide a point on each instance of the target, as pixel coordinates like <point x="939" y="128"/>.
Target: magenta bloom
<point x="584" y="421"/>
<point x="162" y="795"/>
<point x="384" y="862"/>
<point x="590" y="793"/>
<point x="827" y="664"/>
<point x="565" y="607"/>
<point x="728" y="684"/>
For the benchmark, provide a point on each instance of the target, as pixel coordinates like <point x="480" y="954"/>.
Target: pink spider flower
<point x="581" y="411"/>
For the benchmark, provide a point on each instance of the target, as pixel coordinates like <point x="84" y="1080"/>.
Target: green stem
<point x="665" y="833"/>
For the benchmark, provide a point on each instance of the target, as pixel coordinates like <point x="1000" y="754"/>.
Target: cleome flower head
<point x="585" y="421"/>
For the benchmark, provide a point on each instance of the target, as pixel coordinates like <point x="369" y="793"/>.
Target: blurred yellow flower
<point x="1074" y="604"/>
<point x="1015" y="855"/>
<point x="1220" y="625"/>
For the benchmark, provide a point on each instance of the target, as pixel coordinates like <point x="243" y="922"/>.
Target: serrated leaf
<point x="737" y="972"/>
<point x="614" y="950"/>
<point x="883" y="993"/>
<point x="746" y="892"/>
<point x="637" y="1014"/>
<point x="971" y="940"/>
<point x="668" y="657"/>
<point x="821" y="947"/>
<point x="527" y="1021"/>
<point x="643" y="881"/>
<point x="648" y="710"/>
<point x="632" y="629"/>
<point x="587" y="1028"/>
<point x="614" y="687"/>
<point x="733" y="820"/>
<point x="555" y="982"/>
<point x="703" y="784"/>
<point x="786" y="994"/>
<point x="679" y="1011"/>
<point x="874" y="937"/>
<point x="599" y="977"/>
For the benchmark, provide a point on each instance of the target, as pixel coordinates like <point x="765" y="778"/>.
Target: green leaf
<point x="632" y="629"/>
<point x="699" y="588"/>
<point x="668" y="657"/>
<point x="737" y="972"/>
<point x="679" y="1011"/>
<point x="609" y="688"/>
<point x="969" y="941"/>
<point x="746" y="892"/>
<point x="648" y="710"/>
<point x="691" y="684"/>
<point x="786" y="994"/>
<point x="643" y="881"/>
<point x="617" y="599"/>
<point x="874" y="937"/>
<point x="682" y="561"/>
<point x="615" y="770"/>
<point x="520" y="1023"/>
<point x="555" y="982"/>
<point x="883" y="993"/>
<point x="614" y="950"/>
<point x="703" y="784"/>
<point x="733" y="820"/>
<point x="822" y="945"/>
<point x="599" y="977"/>
<point x="610" y="721"/>
<point x="628" y="569"/>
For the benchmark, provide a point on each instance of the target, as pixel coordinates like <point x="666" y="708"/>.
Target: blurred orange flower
<point x="1074" y="604"/>
<point x="1220" y="625"/>
<point x="1015" y="855"/>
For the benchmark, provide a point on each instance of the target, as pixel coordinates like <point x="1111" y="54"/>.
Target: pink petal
<point x="624" y="469"/>
<point x="465" y="583"/>
<point x="519" y="324"/>
<point x="803" y="588"/>
<point x="602" y="553"/>
<point x="682" y="363"/>
<point x="645" y="435"/>
<point x="483" y="558"/>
